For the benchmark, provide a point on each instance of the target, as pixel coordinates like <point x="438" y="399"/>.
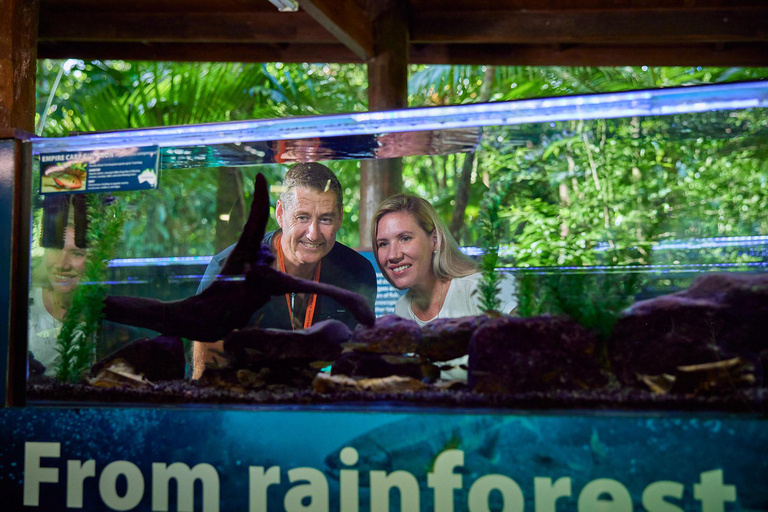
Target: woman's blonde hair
<point x="447" y="261"/>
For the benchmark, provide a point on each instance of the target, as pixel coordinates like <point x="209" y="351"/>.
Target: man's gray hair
<point x="312" y="175"/>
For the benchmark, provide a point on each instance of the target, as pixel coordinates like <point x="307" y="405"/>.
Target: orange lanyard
<point x="312" y="299"/>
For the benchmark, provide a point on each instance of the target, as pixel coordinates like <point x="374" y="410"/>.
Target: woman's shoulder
<point x="468" y="282"/>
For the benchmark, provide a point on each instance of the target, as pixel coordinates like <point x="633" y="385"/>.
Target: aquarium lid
<point x="691" y="99"/>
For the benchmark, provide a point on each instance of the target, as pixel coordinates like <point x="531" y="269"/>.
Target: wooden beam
<point x="641" y="26"/>
<point x="18" y="55"/>
<point x="346" y="20"/>
<point x="387" y="89"/>
<point x="560" y="5"/>
<point x="184" y="27"/>
<point x="752" y="54"/>
<point x="173" y="6"/>
<point x="191" y="52"/>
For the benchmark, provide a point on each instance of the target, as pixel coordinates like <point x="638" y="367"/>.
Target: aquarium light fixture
<point x="691" y="99"/>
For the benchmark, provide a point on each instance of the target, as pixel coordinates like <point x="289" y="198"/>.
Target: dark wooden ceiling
<point x="514" y="32"/>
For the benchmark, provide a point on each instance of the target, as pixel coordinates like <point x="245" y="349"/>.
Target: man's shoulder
<point x="347" y="256"/>
<point x="345" y="265"/>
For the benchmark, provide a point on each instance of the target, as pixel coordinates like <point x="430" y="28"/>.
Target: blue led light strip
<point x="694" y="267"/>
<point x="160" y="262"/>
<point x="595" y="106"/>
<point x="701" y="243"/>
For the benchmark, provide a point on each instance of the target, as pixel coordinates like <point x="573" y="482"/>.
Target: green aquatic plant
<point x="76" y="341"/>
<point x="491" y="229"/>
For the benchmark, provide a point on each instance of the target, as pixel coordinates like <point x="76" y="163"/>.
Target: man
<point x="309" y="213"/>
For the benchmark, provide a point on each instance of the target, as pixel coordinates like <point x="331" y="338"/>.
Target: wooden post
<point x="18" y="58"/>
<point x="387" y="89"/>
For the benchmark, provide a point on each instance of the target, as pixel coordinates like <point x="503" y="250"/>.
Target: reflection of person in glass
<point x="416" y="252"/>
<point x="309" y="213"/>
<point x="59" y="277"/>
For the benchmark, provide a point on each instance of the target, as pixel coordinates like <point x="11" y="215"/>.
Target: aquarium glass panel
<point x="592" y="210"/>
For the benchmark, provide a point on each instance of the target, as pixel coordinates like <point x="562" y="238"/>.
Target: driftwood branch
<point x="231" y="300"/>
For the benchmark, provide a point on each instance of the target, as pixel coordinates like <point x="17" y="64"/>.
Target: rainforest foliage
<point x="603" y="192"/>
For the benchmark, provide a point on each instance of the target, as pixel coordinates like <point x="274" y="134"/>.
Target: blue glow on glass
<point x="160" y="262"/>
<point x="702" y="243"/>
<point x="696" y="267"/>
<point x="596" y="106"/>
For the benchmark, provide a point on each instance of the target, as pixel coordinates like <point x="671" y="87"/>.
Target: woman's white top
<point x="43" y="332"/>
<point x="461" y="299"/>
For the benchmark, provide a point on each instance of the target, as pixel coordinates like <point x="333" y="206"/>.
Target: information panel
<point x="99" y="171"/>
<point x="333" y="460"/>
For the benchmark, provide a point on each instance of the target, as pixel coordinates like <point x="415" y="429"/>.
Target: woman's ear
<point x="434" y="240"/>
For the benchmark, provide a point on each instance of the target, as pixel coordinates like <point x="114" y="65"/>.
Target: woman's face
<point x="404" y="250"/>
<point x="63" y="267"/>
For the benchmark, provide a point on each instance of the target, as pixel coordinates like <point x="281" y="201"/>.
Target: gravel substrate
<point x="753" y="400"/>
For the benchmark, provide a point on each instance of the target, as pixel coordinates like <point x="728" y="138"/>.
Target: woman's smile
<point x="404" y="250"/>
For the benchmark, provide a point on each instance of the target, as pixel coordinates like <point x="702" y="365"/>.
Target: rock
<point x="389" y="335"/>
<point x="444" y="339"/>
<point x="119" y="374"/>
<point x="367" y="364"/>
<point x="159" y="358"/>
<point x="720" y="316"/>
<point x="36" y="368"/>
<point x="514" y="355"/>
<point x="321" y="342"/>
<point x="325" y="383"/>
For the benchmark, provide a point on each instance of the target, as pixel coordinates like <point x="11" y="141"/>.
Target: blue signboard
<point x="99" y="171"/>
<point x="386" y="294"/>
<point x="378" y="460"/>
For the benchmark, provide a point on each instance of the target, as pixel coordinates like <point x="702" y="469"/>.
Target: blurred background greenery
<point x="572" y="193"/>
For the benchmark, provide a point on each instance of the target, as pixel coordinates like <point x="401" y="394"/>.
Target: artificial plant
<point x="76" y="341"/>
<point x="491" y="231"/>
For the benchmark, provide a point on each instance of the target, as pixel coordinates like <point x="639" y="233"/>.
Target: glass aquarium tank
<point x="627" y="230"/>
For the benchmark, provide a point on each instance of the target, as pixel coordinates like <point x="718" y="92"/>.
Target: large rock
<point x="515" y="355"/>
<point x="448" y="338"/>
<point x="368" y="364"/>
<point x="390" y="334"/>
<point x="320" y="342"/>
<point x="159" y="358"/>
<point x="720" y="316"/>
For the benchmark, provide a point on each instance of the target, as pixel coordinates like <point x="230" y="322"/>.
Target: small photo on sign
<point x="70" y="176"/>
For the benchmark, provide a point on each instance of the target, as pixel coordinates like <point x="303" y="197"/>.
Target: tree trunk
<point x="465" y="180"/>
<point x="230" y="208"/>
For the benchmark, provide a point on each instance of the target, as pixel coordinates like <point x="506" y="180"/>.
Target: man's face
<point x="309" y="223"/>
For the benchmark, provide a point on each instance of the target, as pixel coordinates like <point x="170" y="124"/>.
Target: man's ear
<point x="279" y="213"/>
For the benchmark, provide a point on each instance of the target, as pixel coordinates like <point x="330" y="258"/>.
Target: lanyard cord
<point x="289" y="296"/>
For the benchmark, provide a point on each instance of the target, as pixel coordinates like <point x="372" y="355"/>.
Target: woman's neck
<point x="427" y="300"/>
<point x="56" y="303"/>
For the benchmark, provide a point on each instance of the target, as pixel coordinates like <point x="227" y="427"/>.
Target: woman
<point x="415" y="252"/>
<point x="61" y="272"/>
